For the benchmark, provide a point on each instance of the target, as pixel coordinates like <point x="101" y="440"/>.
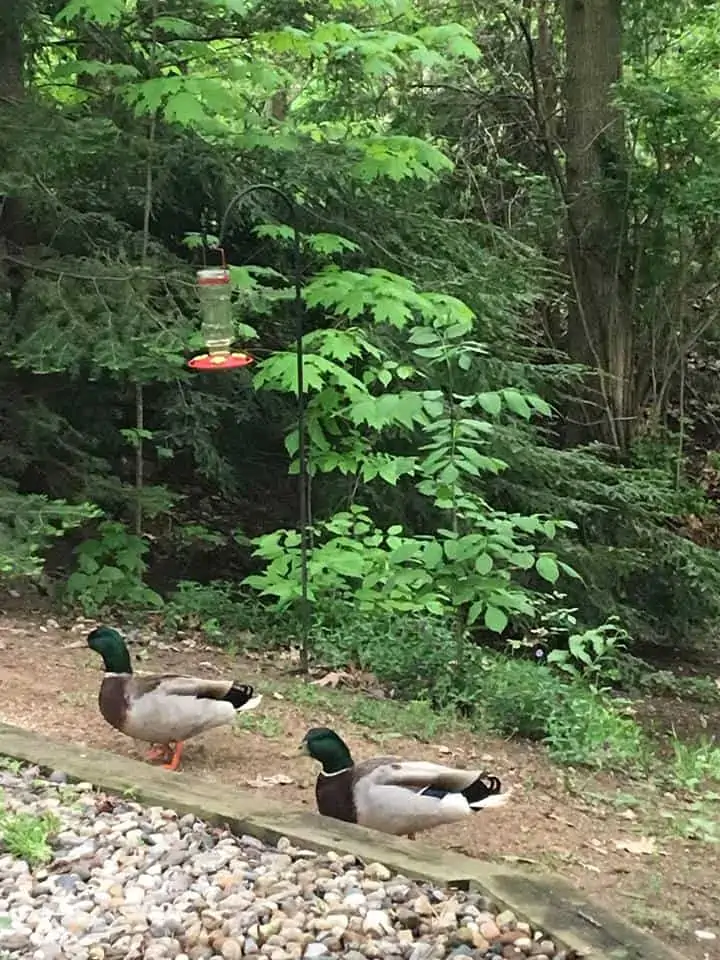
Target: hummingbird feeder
<point x="217" y="328"/>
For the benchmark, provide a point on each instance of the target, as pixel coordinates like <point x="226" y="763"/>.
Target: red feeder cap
<point x="215" y="277"/>
<point x="220" y="361"/>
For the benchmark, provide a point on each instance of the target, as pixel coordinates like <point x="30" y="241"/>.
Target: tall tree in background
<point x="12" y="18"/>
<point x="600" y="331"/>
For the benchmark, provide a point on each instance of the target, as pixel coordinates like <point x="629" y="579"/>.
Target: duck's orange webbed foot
<point x="176" y="757"/>
<point x="160" y="751"/>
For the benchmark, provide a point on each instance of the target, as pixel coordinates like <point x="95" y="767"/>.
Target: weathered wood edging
<point x="544" y="900"/>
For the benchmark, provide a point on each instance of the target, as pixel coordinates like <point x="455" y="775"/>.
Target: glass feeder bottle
<point x="214" y="290"/>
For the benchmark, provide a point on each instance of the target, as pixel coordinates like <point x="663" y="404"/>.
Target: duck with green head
<point x="166" y="709"/>
<point x="402" y="797"/>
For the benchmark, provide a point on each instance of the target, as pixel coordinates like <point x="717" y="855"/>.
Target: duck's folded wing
<point x="171" y="685"/>
<point x="418" y="774"/>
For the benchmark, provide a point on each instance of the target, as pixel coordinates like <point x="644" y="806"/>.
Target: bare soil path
<point x="588" y="827"/>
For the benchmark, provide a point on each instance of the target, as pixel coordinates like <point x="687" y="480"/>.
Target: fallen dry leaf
<point x="275" y="781"/>
<point x="554" y="816"/>
<point x="643" y="845"/>
<point x="332" y="679"/>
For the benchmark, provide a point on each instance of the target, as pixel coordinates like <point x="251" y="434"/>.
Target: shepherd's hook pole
<point x="303" y="480"/>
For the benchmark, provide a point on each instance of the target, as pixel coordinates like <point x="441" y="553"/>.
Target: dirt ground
<point x="572" y="822"/>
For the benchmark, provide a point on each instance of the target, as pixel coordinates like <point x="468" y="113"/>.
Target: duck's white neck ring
<point x="335" y="773"/>
<point x="109" y="673"/>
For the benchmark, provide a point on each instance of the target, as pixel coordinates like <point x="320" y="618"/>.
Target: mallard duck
<point x="402" y="797"/>
<point x="163" y="709"/>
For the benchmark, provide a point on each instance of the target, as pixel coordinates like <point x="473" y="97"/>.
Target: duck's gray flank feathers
<point x="409" y="796"/>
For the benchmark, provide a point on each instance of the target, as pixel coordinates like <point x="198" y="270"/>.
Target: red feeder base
<point x="220" y="361"/>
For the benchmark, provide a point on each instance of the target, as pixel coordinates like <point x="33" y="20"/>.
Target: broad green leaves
<point x="473" y="568"/>
<point x="384" y="296"/>
<point x="219" y="88"/>
<point x="102" y="12"/>
<point x="397" y="158"/>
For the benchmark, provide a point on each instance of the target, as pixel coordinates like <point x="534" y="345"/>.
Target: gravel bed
<point x="126" y="881"/>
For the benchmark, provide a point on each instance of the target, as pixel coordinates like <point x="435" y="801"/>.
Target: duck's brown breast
<point x="334" y="795"/>
<point x="113" y="701"/>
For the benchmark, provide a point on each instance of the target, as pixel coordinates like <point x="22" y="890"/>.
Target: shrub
<point x="588" y="728"/>
<point x="420" y="659"/>
<point x="220" y="609"/>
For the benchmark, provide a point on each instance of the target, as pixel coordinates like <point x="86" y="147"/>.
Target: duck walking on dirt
<point x="401" y="797"/>
<point x="166" y="709"/>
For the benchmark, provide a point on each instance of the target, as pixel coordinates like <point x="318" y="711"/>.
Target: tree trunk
<point x="12" y="15"/>
<point x="13" y="229"/>
<point x="599" y="323"/>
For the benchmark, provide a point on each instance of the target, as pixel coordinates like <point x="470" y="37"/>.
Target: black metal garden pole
<point x="303" y="480"/>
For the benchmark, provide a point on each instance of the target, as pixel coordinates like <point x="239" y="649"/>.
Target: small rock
<point x="490" y="930"/>
<point x="315" y="950"/>
<point x="231" y="949"/>
<point x="407" y="918"/>
<point x="506" y="920"/>
<point x="422" y="906"/>
<point x="377" y="921"/>
<point x="14" y="940"/>
<point x="423" y="951"/>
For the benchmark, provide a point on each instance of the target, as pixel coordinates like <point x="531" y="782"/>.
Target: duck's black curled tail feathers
<point x="481" y="789"/>
<point x="239" y="694"/>
<point x="476" y="794"/>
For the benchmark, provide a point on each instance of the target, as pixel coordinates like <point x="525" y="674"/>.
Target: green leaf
<point x="185" y="108"/>
<point x="431" y="353"/>
<point x="452" y="549"/>
<point x="407" y="551"/>
<point x="103" y="12"/>
<point x="539" y="404"/>
<point x="423" y="336"/>
<point x="449" y="474"/>
<point x="525" y="561"/>
<point x="547" y="567"/>
<point x="490" y="402"/>
<point x="433" y="554"/>
<point x="484" y="564"/>
<point x="517" y="403"/>
<point x="495" y="619"/>
<point x="465" y="361"/>
<point x="348" y="564"/>
<point x="276" y="231"/>
<point x="568" y="570"/>
<point x="176" y="26"/>
<point x="329" y="243"/>
<point x="577" y="649"/>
